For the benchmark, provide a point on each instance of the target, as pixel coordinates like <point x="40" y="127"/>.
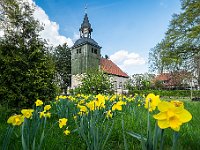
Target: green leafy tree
<point x="27" y="70"/>
<point x="180" y="49"/>
<point x="140" y="82"/>
<point x="62" y="57"/>
<point x="95" y="82"/>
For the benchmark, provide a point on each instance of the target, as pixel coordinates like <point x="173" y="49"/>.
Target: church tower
<point x="86" y="52"/>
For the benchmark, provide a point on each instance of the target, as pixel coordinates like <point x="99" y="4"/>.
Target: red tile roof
<point x="172" y="79"/>
<point x="111" y="68"/>
<point x="163" y="77"/>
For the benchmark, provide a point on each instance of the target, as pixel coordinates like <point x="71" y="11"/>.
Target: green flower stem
<point x="125" y="142"/>
<point x="175" y="139"/>
<point x="162" y="139"/>
<point x="155" y="138"/>
<point x="7" y="137"/>
<point x="149" y="142"/>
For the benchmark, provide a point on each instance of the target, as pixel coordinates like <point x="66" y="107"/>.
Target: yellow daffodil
<point x="15" y="120"/>
<point x="85" y="97"/>
<point x="151" y="102"/>
<point x="57" y="98"/>
<point x="109" y="114"/>
<point x="120" y="98"/>
<point x="78" y="95"/>
<point x="62" y="97"/>
<point x="177" y="103"/>
<point x="44" y="114"/>
<point x="121" y="103"/>
<point x="82" y="108"/>
<point x="27" y="113"/>
<point x="100" y="102"/>
<point x="48" y="115"/>
<point x="129" y="99"/>
<point x="47" y="107"/>
<point x="38" y="103"/>
<point x="100" y="97"/>
<point x="71" y="98"/>
<point x="113" y="98"/>
<point x="91" y="105"/>
<point x="171" y="116"/>
<point x="118" y="105"/>
<point x="66" y="132"/>
<point x="63" y="122"/>
<point x="82" y="101"/>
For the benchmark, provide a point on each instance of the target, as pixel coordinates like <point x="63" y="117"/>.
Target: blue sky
<point x="125" y="29"/>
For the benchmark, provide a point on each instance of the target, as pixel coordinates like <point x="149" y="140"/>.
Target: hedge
<point x="170" y="93"/>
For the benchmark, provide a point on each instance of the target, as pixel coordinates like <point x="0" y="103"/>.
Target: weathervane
<point x="86" y="9"/>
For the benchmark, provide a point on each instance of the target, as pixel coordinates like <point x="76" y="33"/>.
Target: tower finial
<point x="86" y="9"/>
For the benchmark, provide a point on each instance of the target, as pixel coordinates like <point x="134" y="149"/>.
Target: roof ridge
<point x="110" y="67"/>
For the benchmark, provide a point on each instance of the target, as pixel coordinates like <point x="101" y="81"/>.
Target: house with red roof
<point x="175" y="80"/>
<point x="86" y="55"/>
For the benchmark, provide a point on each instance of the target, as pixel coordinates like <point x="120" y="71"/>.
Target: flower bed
<point x="93" y="118"/>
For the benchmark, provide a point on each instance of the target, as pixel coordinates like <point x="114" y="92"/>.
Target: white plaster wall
<point x="117" y="81"/>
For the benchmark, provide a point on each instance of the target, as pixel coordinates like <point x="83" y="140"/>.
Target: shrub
<point x="95" y="82"/>
<point x="169" y="93"/>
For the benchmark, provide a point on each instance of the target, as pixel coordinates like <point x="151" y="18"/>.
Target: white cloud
<point x="125" y="58"/>
<point x="129" y="62"/>
<point x="51" y="29"/>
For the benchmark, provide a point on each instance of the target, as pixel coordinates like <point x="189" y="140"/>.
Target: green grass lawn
<point x="134" y="120"/>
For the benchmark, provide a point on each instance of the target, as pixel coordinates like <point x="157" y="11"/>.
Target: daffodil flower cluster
<point x="45" y="112"/>
<point x="108" y="104"/>
<point x="172" y="114"/>
<point x="62" y="123"/>
<point x="17" y="120"/>
<point x="95" y="114"/>
<point x="151" y="101"/>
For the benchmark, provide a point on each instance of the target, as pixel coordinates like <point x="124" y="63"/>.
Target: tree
<point x="140" y="81"/>
<point x="180" y="49"/>
<point x="62" y="57"/>
<point x="27" y="70"/>
<point x="106" y="57"/>
<point x="95" y="82"/>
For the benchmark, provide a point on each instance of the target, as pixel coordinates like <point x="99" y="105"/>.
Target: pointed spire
<point x="86" y="23"/>
<point x="85" y="30"/>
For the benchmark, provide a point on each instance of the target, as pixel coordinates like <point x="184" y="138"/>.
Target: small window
<point x="95" y="51"/>
<point x="79" y="50"/>
<point x="92" y="50"/>
<point x="120" y="85"/>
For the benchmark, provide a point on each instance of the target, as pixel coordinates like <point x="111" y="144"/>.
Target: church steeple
<point x="86" y="52"/>
<point x="85" y="30"/>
